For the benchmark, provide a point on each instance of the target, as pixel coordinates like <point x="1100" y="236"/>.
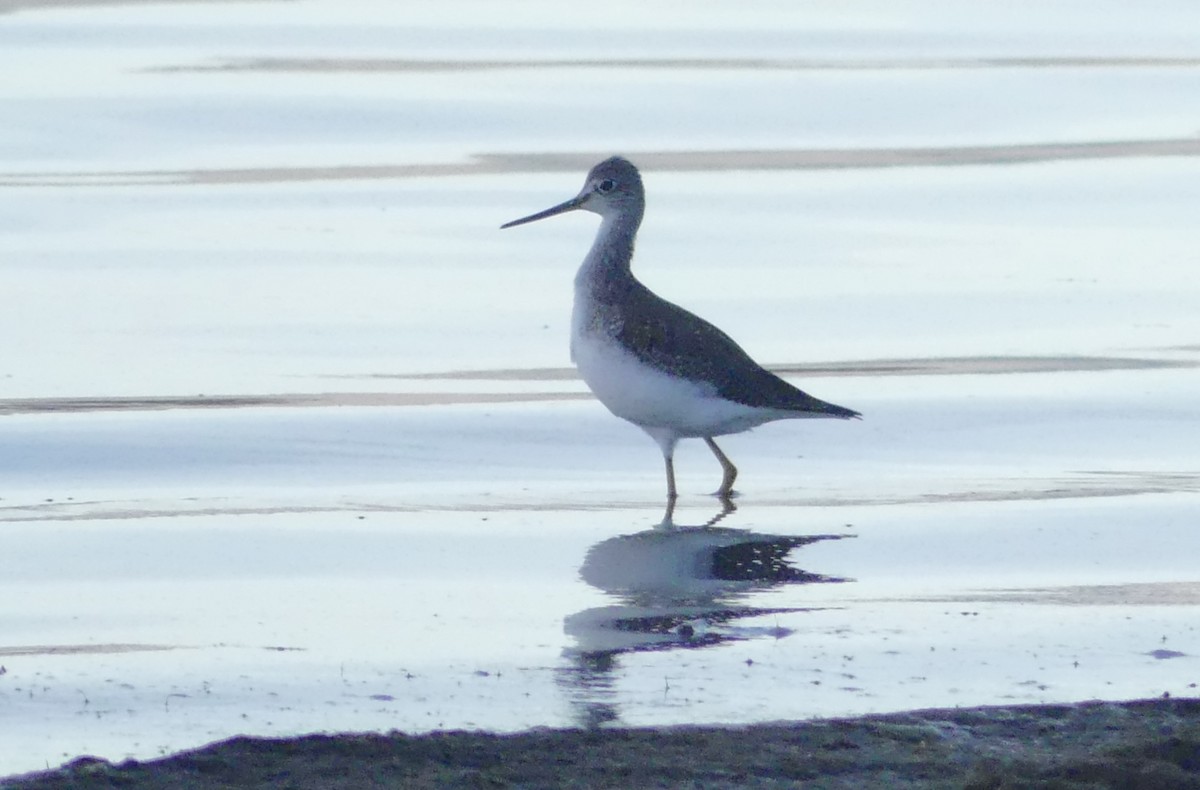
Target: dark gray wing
<point x="669" y="337"/>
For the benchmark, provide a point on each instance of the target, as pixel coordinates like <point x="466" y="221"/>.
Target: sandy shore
<point x="949" y="366"/>
<point x="651" y="160"/>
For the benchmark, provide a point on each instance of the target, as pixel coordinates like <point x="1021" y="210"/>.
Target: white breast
<point x="651" y="398"/>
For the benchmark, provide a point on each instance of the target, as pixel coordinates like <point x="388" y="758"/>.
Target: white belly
<point x="655" y="400"/>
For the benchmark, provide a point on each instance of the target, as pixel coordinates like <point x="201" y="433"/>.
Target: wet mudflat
<point x="1150" y="744"/>
<point x="343" y="587"/>
<point x="289" y="443"/>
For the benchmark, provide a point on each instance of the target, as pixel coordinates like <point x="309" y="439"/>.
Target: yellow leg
<point x="727" y="467"/>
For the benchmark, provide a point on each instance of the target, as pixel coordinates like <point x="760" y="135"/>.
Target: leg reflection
<point x="668" y="519"/>
<point x="675" y="587"/>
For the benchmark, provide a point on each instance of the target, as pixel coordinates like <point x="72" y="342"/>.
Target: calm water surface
<point x="289" y="440"/>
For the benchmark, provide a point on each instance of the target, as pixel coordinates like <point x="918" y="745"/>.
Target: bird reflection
<point x="675" y="587"/>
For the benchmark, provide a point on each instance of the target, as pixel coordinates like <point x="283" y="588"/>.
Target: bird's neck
<point x="607" y="266"/>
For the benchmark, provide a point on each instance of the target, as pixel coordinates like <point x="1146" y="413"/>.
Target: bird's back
<point x="672" y="339"/>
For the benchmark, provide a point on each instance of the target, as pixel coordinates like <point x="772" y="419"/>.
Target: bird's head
<point x="612" y="188"/>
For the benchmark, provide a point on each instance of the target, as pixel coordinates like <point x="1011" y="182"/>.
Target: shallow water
<point x="288" y="440"/>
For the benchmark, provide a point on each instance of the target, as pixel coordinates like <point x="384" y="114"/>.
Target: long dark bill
<point x="570" y="205"/>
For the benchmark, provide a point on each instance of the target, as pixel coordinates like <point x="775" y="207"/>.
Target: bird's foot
<point x="668" y="520"/>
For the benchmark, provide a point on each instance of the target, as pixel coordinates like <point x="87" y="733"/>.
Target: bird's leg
<point x="666" y="442"/>
<point x="730" y="471"/>
<point x="672" y="494"/>
<point x="668" y="520"/>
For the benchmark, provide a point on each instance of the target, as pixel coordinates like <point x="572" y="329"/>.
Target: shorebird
<point x="662" y="368"/>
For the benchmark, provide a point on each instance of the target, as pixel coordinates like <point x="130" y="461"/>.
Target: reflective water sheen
<point x="289" y="440"/>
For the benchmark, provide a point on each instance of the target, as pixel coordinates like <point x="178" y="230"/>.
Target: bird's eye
<point x="607" y="185"/>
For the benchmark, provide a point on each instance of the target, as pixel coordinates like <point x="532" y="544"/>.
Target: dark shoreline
<point x="1152" y="744"/>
